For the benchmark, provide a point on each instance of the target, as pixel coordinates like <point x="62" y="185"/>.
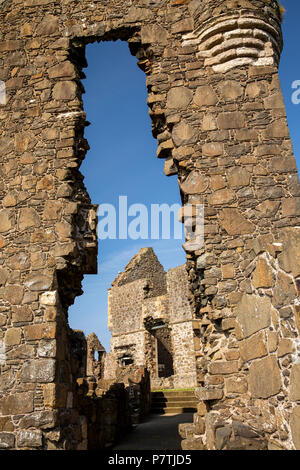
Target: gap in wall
<point x="121" y="162"/>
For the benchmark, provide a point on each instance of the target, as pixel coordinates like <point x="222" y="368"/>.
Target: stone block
<point x="195" y="183"/>
<point x="286" y="346"/>
<point x="234" y="223"/>
<point x="231" y="120"/>
<point x="64" y="90"/>
<point x="38" y="371"/>
<point x="13" y="294"/>
<point x="253" y="347"/>
<point x="295" y="426"/>
<point x="18" y="403"/>
<point x="152" y="34"/>
<point x="28" y="218"/>
<point x="179" y="98"/>
<point x="49" y="25"/>
<point x="5" y="221"/>
<point x="39" y="419"/>
<point x="29" y="438"/>
<point x="236" y="385"/>
<point x="264" y="378"/>
<point x="192" y="444"/>
<point x="205" y="394"/>
<point x="13" y="337"/>
<point x="183" y="134"/>
<point x="40" y="331"/>
<point x="205" y="96"/>
<point x="7" y="440"/>
<point x="214" y="149"/>
<point x="253" y="313"/>
<point x="295" y="383"/>
<point x="238" y="177"/>
<point x="223" y="367"/>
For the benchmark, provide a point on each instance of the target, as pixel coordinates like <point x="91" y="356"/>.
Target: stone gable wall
<point x="218" y="115"/>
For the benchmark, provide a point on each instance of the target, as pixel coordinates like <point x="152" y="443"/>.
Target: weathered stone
<point x="179" y="98"/>
<point x="278" y="129"/>
<point x="295" y="383"/>
<point x="48" y="26"/>
<point x="29" y="438"/>
<point x="195" y="183"/>
<point x="7" y="380"/>
<point x="38" y="371"/>
<point x="284" y="290"/>
<point x="18" y="403"/>
<point x="253" y="347"/>
<point x="64" y="90"/>
<point x="213" y="149"/>
<point x="49" y="298"/>
<point x="236" y="385"/>
<point x="28" y="218"/>
<point x="223" y="196"/>
<point x="253" y="313"/>
<point x="138" y="14"/>
<point x="154" y="34"/>
<point x="47" y="348"/>
<point x="39" y="419"/>
<point x="225" y="367"/>
<point x="183" y="134"/>
<point x="295" y="426"/>
<point x="3" y="276"/>
<point x="204" y="394"/>
<point x="39" y="282"/>
<point x="14" y="294"/>
<point x="223" y="435"/>
<point x="285" y="347"/>
<point x="183" y="26"/>
<point x="289" y="259"/>
<point x="5" y="221"/>
<point x="291" y="207"/>
<point x="209" y="123"/>
<point x="7" y="440"/>
<point x="264" y="378"/>
<point x="238" y="177"/>
<point x="65" y="69"/>
<point x="231" y="90"/>
<point x="13" y="336"/>
<point x="6" y="424"/>
<point x="235" y="223"/>
<point x="231" y="120"/>
<point x="40" y="331"/>
<point x="205" y="96"/>
<point x="263" y="274"/>
<point x="192" y="444"/>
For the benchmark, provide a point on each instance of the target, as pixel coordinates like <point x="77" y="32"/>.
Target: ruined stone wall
<point x="155" y="331"/>
<point x="219" y="118"/>
<point x="181" y="314"/>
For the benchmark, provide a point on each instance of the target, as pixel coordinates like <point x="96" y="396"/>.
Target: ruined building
<point x="218" y="115"/>
<point x="150" y="318"/>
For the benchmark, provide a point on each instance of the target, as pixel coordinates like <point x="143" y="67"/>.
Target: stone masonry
<point x="218" y="115"/>
<point x="151" y="321"/>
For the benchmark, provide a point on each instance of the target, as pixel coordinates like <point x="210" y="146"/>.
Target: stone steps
<point x="174" y="401"/>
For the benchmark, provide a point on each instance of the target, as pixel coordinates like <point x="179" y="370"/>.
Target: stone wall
<point x="219" y="118"/>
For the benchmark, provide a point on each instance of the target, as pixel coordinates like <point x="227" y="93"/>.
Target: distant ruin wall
<point x="219" y="118"/>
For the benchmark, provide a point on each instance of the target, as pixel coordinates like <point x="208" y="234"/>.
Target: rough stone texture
<point x="48" y="224"/>
<point x="264" y="378"/>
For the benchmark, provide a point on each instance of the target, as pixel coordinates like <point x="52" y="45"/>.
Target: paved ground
<point x="157" y="432"/>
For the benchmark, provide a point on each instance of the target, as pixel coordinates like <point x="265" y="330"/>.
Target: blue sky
<point x="122" y="160"/>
